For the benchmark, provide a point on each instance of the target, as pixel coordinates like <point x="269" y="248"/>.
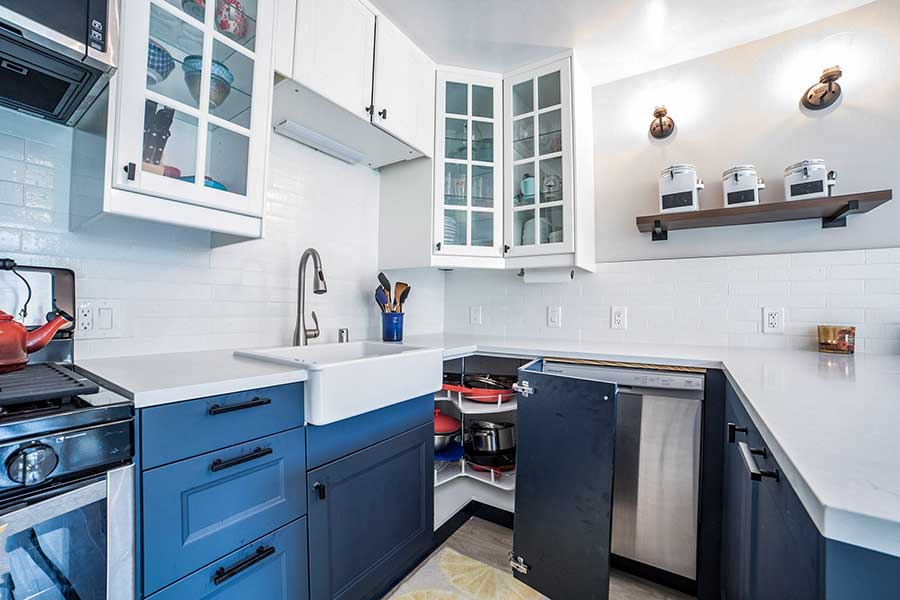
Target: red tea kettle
<point x="16" y="342"/>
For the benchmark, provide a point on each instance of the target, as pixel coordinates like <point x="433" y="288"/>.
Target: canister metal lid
<point x="809" y="162"/>
<point x="676" y="169"/>
<point x="739" y="169"/>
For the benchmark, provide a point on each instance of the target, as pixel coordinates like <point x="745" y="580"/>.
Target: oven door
<point x="77" y="543"/>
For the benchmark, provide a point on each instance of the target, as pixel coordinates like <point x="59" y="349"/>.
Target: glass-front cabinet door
<point x="538" y="157"/>
<point x="193" y="95"/>
<point x="468" y="176"/>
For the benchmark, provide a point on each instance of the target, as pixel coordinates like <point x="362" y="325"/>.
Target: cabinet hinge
<point x="438" y="246"/>
<point x="524" y="389"/>
<point x="517" y="563"/>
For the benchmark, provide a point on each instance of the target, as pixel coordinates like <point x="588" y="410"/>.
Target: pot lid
<point x="738" y="169"/>
<point x="675" y="169"/>
<point x="445" y="423"/>
<point x="809" y="162"/>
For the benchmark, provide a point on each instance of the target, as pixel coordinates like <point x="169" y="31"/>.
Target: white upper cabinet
<point x="285" y="23"/>
<point x="333" y="52"/>
<point x="468" y="173"/>
<point x="404" y="88"/>
<point x="190" y="109"/>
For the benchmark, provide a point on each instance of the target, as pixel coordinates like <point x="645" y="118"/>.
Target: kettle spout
<point x="40" y="337"/>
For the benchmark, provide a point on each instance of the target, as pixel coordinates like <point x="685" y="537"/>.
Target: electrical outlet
<point x="474" y="315"/>
<point x="554" y="316"/>
<point x="618" y="317"/>
<point x="85" y="317"/>
<point x="773" y="319"/>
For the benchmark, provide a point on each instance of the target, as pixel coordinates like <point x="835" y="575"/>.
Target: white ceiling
<point x="615" y="38"/>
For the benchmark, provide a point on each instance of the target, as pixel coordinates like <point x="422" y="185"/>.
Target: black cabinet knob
<point x="383" y="113"/>
<point x="320" y="490"/>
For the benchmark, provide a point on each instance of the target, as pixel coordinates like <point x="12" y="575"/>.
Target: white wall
<point x="741" y="106"/>
<point x="178" y="294"/>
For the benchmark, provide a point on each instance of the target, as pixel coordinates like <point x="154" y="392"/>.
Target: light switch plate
<point x="475" y="315"/>
<point x="554" y="316"/>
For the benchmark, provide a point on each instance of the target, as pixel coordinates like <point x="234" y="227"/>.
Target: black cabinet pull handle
<point x="131" y="169"/>
<point x="223" y="574"/>
<point x="218" y="409"/>
<point x="370" y="109"/>
<point x="383" y="113"/>
<point x="734" y="429"/>
<point x="320" y="489"/>
<point x="258" y="452"/>
<point x="756" y="474"/>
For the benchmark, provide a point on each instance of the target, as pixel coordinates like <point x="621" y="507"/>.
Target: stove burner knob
<point x="32" y="464"/>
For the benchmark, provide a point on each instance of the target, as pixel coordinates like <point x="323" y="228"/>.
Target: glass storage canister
<point x="679" y="189"/>
<point x="808" y="179"/>
<point x="741" y="185"/>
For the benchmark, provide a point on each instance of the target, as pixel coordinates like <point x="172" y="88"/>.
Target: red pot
<point x="444" y="424"/>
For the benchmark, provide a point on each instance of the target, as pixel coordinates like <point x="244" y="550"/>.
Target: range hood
<point x="56" y="57"/>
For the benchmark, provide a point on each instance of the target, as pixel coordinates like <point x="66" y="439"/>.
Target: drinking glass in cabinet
<point x="549" y="90"/>
<point x="172" y="40"/>
<point x="170" y="141"/>
<point x="226" y="160"/>
<point x="523" y="98"/>
<point x="454" y="184"/>
<point x="482" y="141"/>
<point x="551" y="188"/>
<point x="482" y="102"/>
<point x="456" y="139"/>
<point x="523" y="184"/>
<point x="482" y="228"/>
<point x="456" y="101"/>
<point x="230" y="85"/>
<point x="523" y="138"/>
<point x="550" y="130"/>
<point x="482" y="187"/>
<point x="551" y="225"/>
<point x="455" y="227"/>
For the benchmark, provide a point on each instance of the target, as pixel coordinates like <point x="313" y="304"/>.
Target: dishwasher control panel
<point x="634" y="377"/>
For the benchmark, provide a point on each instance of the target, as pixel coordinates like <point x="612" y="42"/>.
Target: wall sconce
<point x="826" y="92"/>
<point x="662" y="125"/>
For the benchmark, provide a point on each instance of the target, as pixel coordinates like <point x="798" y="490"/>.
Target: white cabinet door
<point x="404" y="88"/>
<point x="468" y="177"/>
<point x="285" y="22"/>
<point x="539" y="187"/>
<point x="333" y="52"/>
<point x="194" y="95"/>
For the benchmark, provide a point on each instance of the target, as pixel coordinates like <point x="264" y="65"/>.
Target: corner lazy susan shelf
<point x="833" y="212"/>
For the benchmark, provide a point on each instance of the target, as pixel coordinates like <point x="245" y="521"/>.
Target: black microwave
<point x="56" y="56"/>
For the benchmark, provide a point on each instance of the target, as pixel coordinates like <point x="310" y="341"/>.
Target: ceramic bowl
<point x="195" y="8"/>
<point x="219" y="83"/>
<point x="230" y="19"/>
<point x="159" y="63"/>
<point x="208" y="182"/>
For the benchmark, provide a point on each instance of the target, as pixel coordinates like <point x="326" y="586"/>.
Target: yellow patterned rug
<point x="448" y="575"/>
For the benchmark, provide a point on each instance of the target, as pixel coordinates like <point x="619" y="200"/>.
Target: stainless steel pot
<point x="492" y="437"/>
<point x="442" y="440"/>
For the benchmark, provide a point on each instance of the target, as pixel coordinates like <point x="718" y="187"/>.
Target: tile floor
<point x="489" y="543"/>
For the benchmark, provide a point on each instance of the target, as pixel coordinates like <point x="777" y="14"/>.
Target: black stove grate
<point x="45" y="381"/>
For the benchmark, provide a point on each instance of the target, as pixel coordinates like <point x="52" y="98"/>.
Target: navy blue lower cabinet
<point x="371" y="516"/>
<point x="566" y="431"/>
<point x="197" y="510"/>
<point x="270" y="568"/>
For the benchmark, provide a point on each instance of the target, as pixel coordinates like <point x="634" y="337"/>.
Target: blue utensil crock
<point x="392" y="327"/>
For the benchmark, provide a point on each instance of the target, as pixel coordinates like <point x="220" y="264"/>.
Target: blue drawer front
<point x="185" y="429"/>
<point x="331" y="442"/>
<point x="280" y="575"/>
<point x="193" y="515"/>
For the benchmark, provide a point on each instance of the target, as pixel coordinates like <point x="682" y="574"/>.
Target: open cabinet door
<point x="564" y="477"/>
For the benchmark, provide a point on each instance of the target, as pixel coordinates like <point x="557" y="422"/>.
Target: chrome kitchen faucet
<point x="302" y="335"/>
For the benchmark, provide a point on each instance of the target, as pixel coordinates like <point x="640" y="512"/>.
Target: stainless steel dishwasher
<point x="657" y="466"/>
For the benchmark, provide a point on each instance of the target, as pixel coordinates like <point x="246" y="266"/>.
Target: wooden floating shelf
<point x="833" y="211"/>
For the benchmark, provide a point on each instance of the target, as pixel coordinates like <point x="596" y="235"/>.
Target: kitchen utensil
<point x="679" y="189"/>
<point x="837" y="339"/>
<point x="207" y="181"/>
<point x="386" y="284"/>
<point x="157" y="130"/>
<point x="159" y="63"/>
<point x="16" y="342"/>
<point x="446" y="429"/>
<point x="230" y="19"/>
<point x="195" y="8"/>
<point x="399" y="288"/>
<point x="403" y="297"/>
<point x="741" y="185"/>
<point x="808" y="179"/>
<point x="392" y="327"/>
<point x="491" y="437"/>
<point x="381" y="298"/>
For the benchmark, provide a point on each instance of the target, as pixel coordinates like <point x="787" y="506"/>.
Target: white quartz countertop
<point x="154" y="379"/>
<point x="831" y="421"/>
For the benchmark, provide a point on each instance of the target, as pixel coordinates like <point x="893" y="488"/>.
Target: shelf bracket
<point x="659" y="232"/>
<point x="839" y="219"/>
